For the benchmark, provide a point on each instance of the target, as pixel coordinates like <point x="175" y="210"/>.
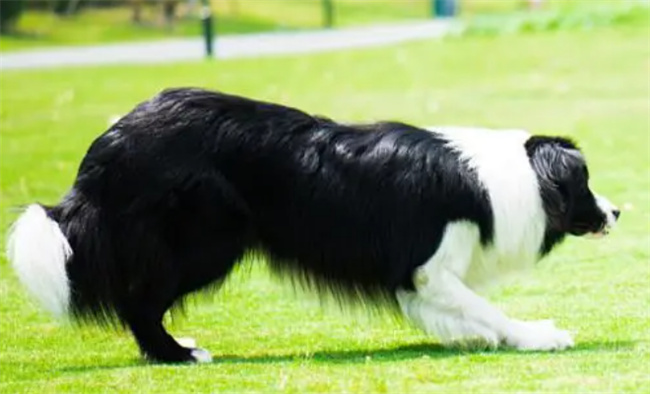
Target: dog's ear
<point x="555" y="161"/>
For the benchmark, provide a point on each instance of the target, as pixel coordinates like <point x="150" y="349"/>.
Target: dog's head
<point x="563" y="176"/>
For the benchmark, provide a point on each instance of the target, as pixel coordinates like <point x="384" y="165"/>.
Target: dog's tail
<point x="83" y="264"/>
<point x="39" y="252"/>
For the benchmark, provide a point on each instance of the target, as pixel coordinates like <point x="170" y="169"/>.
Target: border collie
<point x="177" y="192"/>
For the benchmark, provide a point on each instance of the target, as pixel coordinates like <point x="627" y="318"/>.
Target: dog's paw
<point x="201" y="355"/>
<point x="539" y="335"/>
<point x="198" y="355"/>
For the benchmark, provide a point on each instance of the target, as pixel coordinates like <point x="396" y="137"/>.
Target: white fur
<point x="503" y="167"/>
<point x="444" y="303"/>
<point x="39" y="251"/>
<point x="608" y="209"/>
<point x="201" y="355"/>
<point x="538" y="335"/>
<point x="186" y="342"/>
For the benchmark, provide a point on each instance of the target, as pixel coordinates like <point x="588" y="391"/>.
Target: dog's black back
<point x="176" y="192"/>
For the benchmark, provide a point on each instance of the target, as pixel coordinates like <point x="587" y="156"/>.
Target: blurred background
<point x="37" y="23"/>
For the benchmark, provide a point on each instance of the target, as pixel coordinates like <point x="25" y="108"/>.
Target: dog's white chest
<point x="503" y="168"/>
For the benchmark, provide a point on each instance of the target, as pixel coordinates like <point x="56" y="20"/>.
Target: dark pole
<point x="444" y="8"/>
<point x="206" y="19"/>
<point x="328" y="13"/>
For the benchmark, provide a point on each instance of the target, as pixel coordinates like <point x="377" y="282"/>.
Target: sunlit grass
<point x="267" y="338"/>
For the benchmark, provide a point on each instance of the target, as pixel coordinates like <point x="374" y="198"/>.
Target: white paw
<point x="201" y="355"/>
<point x="538" y="335"/>
<point x="186" y="342"/>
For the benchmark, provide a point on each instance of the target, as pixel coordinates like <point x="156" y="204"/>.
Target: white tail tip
<point x="38" y="251"/>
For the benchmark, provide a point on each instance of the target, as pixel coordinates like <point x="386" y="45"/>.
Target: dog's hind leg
<point x="144" y="310"/>
<point x="205" y="233"/>
<point x="188" y="242"/>
<point x="145" y="322"/>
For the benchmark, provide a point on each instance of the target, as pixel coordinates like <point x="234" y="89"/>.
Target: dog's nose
<point x="616" y="213"/>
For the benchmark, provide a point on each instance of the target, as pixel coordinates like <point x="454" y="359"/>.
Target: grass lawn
<point x="265" y="337"/>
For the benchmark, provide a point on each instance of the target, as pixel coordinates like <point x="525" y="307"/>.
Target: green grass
<point x="266" y="338"/>
<point x="580" y="17"/>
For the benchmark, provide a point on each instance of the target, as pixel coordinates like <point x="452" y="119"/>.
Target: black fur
<point x="563" y="177"/>
<point x="172" y="196"/>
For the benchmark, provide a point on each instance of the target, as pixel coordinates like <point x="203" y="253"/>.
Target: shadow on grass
<point x="358" y="356"/>
<point x="404" y="352"/>
<point x="596" y="346"/>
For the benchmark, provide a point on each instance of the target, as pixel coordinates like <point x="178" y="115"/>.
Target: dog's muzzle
<point x="611" y="213"/>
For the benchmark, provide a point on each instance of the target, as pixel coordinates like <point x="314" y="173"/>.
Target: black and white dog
<point x="175" y="193"/>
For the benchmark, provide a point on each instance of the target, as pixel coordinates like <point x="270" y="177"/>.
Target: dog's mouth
<point x="603" y="231"/>
<point x="611" y="215"/>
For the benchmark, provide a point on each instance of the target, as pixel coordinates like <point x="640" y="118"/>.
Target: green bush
<point x="9" y="13"/>
<point x="555" y="20"/>
<point x="66" y="7"/>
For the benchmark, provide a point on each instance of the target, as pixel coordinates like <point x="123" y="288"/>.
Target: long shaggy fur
<point x="172" y="196"/>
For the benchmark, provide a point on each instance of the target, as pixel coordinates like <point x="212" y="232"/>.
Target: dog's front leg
<point x="444" y="306"/>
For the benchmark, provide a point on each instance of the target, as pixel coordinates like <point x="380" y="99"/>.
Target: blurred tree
<point x="169" y="12"/>
<point x="9" y="13"/>
<point x="73" y="6"/>
<point x="169" y="8"/>
<point x="38" y="4"/>
<point x="66" y="7"/>
<point x="136" y="6"/>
